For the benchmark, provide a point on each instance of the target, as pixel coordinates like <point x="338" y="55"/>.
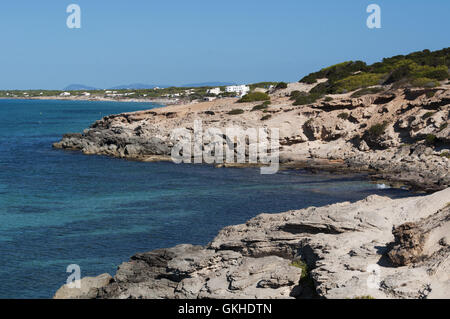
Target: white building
<point x="65" y="94"/>
<point x="238" y="89"/>
<point x="215" y="91"/>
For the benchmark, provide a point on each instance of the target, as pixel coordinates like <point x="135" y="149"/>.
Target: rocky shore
<point x="374" y="248"/>
<point x="377" y="247"/>
<point x="399" y="135"/>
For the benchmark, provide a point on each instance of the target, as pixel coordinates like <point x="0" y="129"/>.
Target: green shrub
<point x="295" y="94"/>
<point x="364" y="297"/>
<point x="430" y="94"/>
<point x="422" y="68"/>
<point x="430" y="139"/>
<point x="447" y="155"/>
<point x="343" y="116"/>
<point x="254" y="97"/>
<point x="377" y="130"/>
<point x="337" y="71"/>
<point x="266" y="117"/>
<point x="259" y="107"/>
<point x="328" y="99"/>
<point x="424" y="82"/>
<point x="427" y="115"/>
<point x="443" y="126"/>
<point x="303" y="266"/>
<point x="366" y="91"/>
<point x="307" y="99"/>
<point x="235" y="112"/>
<point x="357" y="81"/>
<point x="281" y="85"/>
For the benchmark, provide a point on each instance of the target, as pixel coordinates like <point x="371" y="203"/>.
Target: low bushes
<point x="303" y="266"/>
<point x="366" y="91"/>
<point x="424" y="82"/>
<point x="377" y="130"/>
<point x="303" y="99"/>
<point x="266" y="117"/>
<point x="427" y="115"/>
<point x="422" y="68"/>
<point x="261" y="107"/>
<point x="357" y="81"/>
<point x="254" y="97"/>
<point x="235" y="112"/>
<point x="281" y="85"/>
<point x="447" y="155"/>
<point x="343" y="116"/>
<point x="335" y="72"/>
<point x="430" y="139"/>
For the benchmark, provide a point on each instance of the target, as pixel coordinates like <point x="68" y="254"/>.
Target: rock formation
<point x="344" y="250"/>
<point x="376" y="247"/>
<point x="400" y="135"/>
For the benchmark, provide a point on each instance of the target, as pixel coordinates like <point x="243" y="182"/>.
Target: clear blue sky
<point x="180" y="41"/>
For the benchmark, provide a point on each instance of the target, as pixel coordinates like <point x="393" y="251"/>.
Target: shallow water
<point x="59" y="207"/>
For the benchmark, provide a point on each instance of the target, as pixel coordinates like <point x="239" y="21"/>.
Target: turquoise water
<point x="59" y="207"/>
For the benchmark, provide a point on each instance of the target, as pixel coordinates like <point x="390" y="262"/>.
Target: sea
<point x="60" y="208"/>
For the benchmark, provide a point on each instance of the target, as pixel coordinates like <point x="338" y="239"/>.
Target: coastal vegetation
<point x="430" y="139"/>
<point x="418" y="69"/>
<point x="365" y="91"/>
<point x="254" y="97"/>
<point x="302" y="98"/>
<point x="236" y="112"/>
<point x="377" y="130"/>
<point x="303" y="266"/>
<point x="261" y="107"/>
<point x="281" y="85"/>
<point x="427" y="115"/>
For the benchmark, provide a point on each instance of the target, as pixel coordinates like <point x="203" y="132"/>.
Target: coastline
<point x="264" y="258"/>
<point x="317" y="252"/>
<point x="312" y="137"/>
<point x="97" y="99"/>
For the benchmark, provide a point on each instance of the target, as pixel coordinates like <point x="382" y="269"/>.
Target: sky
<point x="179" y="41"/>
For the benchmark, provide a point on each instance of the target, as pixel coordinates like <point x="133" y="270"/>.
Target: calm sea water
<point x="59" y="208"/>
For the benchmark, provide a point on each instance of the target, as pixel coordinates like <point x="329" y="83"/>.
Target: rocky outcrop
<point x="379" y="247"/>
<point x="402" y="136"/>
<point x="344" y="250"/>
<point x="418" y="241"/>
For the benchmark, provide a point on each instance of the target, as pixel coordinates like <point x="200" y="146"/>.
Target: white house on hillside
<point x="238" y="89"/>
<point x="65" y="94"/>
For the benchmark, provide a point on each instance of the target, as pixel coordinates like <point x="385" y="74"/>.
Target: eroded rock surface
<point x="347" y="248"/>
<point x="401" y="135"/>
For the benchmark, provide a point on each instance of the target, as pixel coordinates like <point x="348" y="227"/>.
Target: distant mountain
<point x="137" y="86"/>
<point x="79" y="87"/>
<point x="142" y="86"/>
<point x="208" y="84"/>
